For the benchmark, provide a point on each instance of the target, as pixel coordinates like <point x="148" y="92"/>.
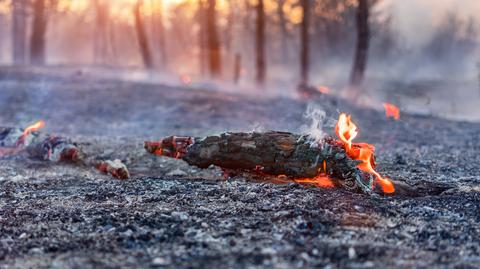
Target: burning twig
<point x="323" y="163"/>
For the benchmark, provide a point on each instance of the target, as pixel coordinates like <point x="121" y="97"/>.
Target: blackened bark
<point x="19" y="31"/>
<point x="363" y="37"/>
<point x="142" y="37"/>
<point x="305" y="44"/>
<point x="39" y="29"/>
<point x="214" y="53"/>
<point x="260" y="43"/>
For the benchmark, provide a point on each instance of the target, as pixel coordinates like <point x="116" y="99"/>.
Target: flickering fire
<point x="32" y="128"/>
<point x="346" y="130"/>
<point x="391" y="111"/>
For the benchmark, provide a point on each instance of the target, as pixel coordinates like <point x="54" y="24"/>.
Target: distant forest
<point x="226" y="39"/>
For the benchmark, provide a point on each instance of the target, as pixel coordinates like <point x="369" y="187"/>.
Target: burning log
<point x="299" y="157"/>
<point x="272" y="153"/>
<point x="14" y="141"/>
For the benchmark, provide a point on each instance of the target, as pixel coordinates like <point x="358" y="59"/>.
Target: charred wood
<point x="55" y="149"/>
<point x="114" y="168"/>
<point x="272" y="153"/>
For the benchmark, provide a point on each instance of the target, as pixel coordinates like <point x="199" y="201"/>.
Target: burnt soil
<point x="173" y="215"/>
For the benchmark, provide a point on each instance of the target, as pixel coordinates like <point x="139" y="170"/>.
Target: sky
<point x="416" y="20"/>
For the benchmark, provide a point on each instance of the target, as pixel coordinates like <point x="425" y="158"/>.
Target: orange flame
<point x="321" y="180"/>
<point x="346" y="130"/>
<point x="391" y="111"/>
<point x="323" y="89"/>
<point x="32" y="128"/>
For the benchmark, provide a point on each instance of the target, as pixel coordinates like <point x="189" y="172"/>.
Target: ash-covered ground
<point x="172" y="215"/>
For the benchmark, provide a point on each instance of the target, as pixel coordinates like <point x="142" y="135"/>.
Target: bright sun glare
<point x="122" y="9"/>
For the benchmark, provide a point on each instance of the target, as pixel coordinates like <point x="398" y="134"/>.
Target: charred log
<point x="272" y="153"/>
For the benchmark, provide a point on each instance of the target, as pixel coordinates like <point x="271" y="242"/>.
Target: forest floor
<point x="173" y="215"/>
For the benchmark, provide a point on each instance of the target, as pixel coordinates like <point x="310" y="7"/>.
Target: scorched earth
<point x="173" y="215"/>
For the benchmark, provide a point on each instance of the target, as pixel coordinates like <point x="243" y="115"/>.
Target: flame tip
<point x="346" y="130"/>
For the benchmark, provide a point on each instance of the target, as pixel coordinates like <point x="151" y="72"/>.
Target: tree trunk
<point x="39" y="29"/>
<point x="260" y="43"/>
<point x="237" y="69"/>
<point x="283" y="30"/>
<point x="201" y="37"/>
<point x="305" y="44"/>
<point x="229" y="36"/>
<point x="363" y="36"/>
<point x="142" y="37"/>
<point x="19" y="32"/>
<point x="160" y="32"/>
<point x="101" y="32"/>
<point x="214" y="53"/>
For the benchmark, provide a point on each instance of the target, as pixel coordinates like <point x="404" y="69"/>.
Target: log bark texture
<point x="272" y="153"/>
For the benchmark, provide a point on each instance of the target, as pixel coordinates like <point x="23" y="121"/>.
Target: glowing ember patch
<point x="391" y="111"/>
<point x="323" y="89"/>
<point x="32" y="128"/>
<point x="322" y="181"/>
<point x="347" y="131"/>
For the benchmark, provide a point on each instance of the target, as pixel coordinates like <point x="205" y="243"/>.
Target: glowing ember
<point x="347" y="131"/>
<point x="32" y="128"/>
<point x="322" y="180"/>
<point x="323" y="89"/>
<point x="391" y="111"/>
<point x="186" y="79"/>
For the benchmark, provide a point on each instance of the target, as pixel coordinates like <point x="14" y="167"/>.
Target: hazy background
<point x="423" y="54"/>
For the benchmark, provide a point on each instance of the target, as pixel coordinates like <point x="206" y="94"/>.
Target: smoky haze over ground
<point x="423" y="55"/>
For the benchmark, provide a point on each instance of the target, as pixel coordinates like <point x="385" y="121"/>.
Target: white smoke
<point x="316" y="117"/>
